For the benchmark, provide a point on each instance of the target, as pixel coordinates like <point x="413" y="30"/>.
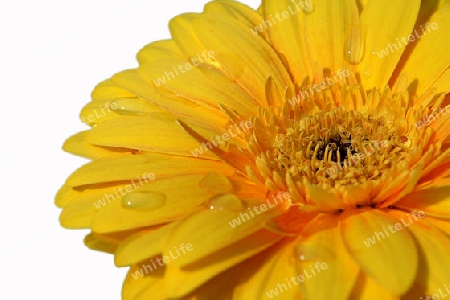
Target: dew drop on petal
<point x="309" y="252"/>
<point x="354" y="46"/>
<point x="367" y="73"/>
<point x="307" y="9"/>
<point x="225" y="202"/>
<point x="143" y="200"/>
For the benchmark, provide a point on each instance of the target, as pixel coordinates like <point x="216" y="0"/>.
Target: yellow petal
<point x="434" y="201"/>
<point x="261" y="60"/>
<point x="208" y="267"/>
<point x="368" y="289"/>
<point x="159" y="50"/>
<point x="383" y="50"/>
<point x="240" y="12"/>
<point x="330" y="25"/>
<point x="64" y="195"/>
<point x="322" y="259"/>
<point x="106" y="242"/>
<point x="85" y="204"/>
<point x="188" y="80"/>
<point x="434" y="249"/>
<point x="325" y="201"/>
<point x="77" y="145"/>
<point x="285" y="35"/>
<point x="268" y="272"/>
<point x="141" y="284"/>
<point x="427" y="9"/>
<point x="220" y="228"/>
<point x="429" y="61"/>
<point x="96" y="112"/>
<point x="149" y="133"/>
<point x="154" y="203"/>
<point x="224" y="285"/>
<point x="108" y="91"/>
<point x="391" y="261"/>
<point x="127" y="168"/>
<point x="143" y="245"/>
<point x="134" y="81"/>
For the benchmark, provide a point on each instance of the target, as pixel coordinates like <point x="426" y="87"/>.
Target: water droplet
<point x="367" y="72"/>
<point x="126" y="106"/>
<point x="225" y="202"/>
<point x="307" y="9"/>
<point x="354" y="46"/>
<point x="310" y="253"/>
<point x="216" y="182"/>
<point x="143" y="200"/>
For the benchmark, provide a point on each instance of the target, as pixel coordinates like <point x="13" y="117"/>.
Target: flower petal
<point x="77" y="145"/>
<point x="285" y="36"/>
<point x="260" y="59"/>
<point x="127" y="168"/>
<point x="142" y="285"/>
<point x="218" y="229"/>
<point x="329" y="26"/>
<point x="148" y="133"/>
<point x="429" y="63"/>
<point x="322" y="251"/>
<point x="154" y="203"/>
<point x="143" y="245"/>
<point x="392" y="262"/>
<point x="434" y="201"/>
<point x="382" y="33"/>
<point x="367" y="289"/>
<point x="212" y="265"/>
<point x="434" y="248"/>
<point x="270" y="274"/>
<point x="159" y="50"/>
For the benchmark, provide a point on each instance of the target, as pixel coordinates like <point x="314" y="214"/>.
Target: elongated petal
<point x="146" y="133"/>
<point x="366" y="289"/>
<point x="392" y="261"/>
<point x="224" y="228"/>
<point x="143" y="245"/>
<point x="141" y="284"/>
<point x="77" y="145"/>
<point x="322" y="258"/>
<point x="111" y="169"/>
<point x="433" y="249"/>
<point x="154" y="203"/>
<point x="274" y="274"/>
<point x="433" y="201"/>
<point x="429" y="62"/>
<point x="383" y="49"/>
<point x="208" y="267"/>
<point x="330" y="24"/>
<point x="286" y="35"/>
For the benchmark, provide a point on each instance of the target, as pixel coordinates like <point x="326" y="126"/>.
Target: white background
<point x="52" y="54"/>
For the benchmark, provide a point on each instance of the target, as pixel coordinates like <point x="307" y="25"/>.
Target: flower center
<point x="332" y="148"/>
<point x="336" y="147"/>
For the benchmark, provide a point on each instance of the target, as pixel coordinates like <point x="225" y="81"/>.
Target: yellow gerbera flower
<point x="300" y="151"/>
